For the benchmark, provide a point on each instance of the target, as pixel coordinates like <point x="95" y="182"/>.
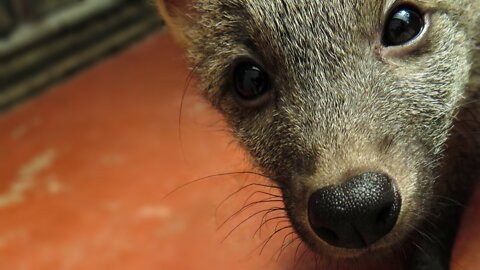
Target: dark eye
<point x="403" y="25"/>
<point x="250" y="81"/>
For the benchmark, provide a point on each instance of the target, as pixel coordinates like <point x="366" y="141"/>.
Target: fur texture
<point x="343" y="104"/>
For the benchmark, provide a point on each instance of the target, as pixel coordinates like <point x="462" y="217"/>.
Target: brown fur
<point x="343" y="104"/>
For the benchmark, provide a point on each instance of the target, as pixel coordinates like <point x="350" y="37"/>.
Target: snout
<point x="356" y="213"/>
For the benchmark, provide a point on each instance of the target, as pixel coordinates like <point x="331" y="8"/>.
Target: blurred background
<point x="93" y="137"/>
<point x="111" y="159"/>
<point x="43" y="41"/>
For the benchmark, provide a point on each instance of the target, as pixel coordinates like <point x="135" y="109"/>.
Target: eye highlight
<point x="403" y="25"/>
<point x="250" y="81"/>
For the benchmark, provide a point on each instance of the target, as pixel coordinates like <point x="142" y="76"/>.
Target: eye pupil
<point x="404" y="25"/>
<point x="251" y="81"/>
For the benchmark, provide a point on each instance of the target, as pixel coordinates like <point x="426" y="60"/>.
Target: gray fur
<point x="342" y="104"/>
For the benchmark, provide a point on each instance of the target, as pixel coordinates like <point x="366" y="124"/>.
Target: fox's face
<point x="347" y="105"/>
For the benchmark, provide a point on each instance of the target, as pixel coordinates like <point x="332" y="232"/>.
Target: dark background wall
<point x="45" y="41"/>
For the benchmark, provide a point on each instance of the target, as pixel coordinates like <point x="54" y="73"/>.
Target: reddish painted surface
<point x="84" y="170"/>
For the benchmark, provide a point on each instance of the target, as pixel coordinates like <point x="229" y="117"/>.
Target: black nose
<point x="356" y="213"/>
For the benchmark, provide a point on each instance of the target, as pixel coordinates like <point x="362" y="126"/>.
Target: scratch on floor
<point x="26" y="177"/>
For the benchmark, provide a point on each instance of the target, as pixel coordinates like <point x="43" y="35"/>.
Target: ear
<point x="175" y="13"/>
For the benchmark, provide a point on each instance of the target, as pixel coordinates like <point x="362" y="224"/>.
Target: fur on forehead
<point x="266" y="20"/>
<point x="321" y="15"/>
<point x="173" y="10"/>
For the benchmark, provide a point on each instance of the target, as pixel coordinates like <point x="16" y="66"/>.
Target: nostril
<point x="327" y="234"/>
<point x="384" y="215"/>
<point x="388" y="216"/>
<point x="356" y="213"/>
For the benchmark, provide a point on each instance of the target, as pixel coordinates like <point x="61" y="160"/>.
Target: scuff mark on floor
<point x="112" y="207"/>
<point x="113" y="159"/>
<point x="54" y="185"/>
<point x="3" y="242"/>
<point x="11" y="237"/>
<point x="26" y="177"/>
<point x="18" y="132"/>
<point x="154" y="211"/>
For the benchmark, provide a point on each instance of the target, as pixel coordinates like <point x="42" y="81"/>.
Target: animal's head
<point x="345" y="104"/>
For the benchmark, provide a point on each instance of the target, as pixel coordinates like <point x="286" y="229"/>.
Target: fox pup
<point x="364" y="113"/>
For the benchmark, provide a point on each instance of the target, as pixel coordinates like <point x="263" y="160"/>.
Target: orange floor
<point x="84" y="170"/>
